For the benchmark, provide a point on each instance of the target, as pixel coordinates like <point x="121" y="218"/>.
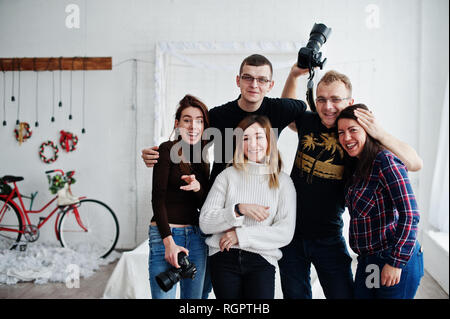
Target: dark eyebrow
<point x="259" y="77"/>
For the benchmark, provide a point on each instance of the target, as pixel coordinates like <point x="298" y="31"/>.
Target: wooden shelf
<point x="56" y="63"/>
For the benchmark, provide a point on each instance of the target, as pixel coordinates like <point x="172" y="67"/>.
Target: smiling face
<point x="329" y="110"/>
<point x="252" y="91"/>
<point x="255" y="143"/>
<point x="190" y="124"/>
<point x="351" y="136"/>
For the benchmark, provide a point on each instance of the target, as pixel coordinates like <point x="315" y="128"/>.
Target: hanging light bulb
<point x="18" y="96"/>
<point x="4" y="96"/>
<point x="71" y="87"/>
<point x="53" y="92"/>
<point x="60" y="82"/>
<point x="12" y="84"/>
<point x="83" y="130"/>
<point x="36" y="124"/>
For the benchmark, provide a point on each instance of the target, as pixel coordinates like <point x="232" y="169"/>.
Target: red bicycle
<point x="85" y="225"/>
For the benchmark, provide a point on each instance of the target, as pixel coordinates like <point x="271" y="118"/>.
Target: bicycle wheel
<point x="90" y="226"/>
<point x="10" y="218"/>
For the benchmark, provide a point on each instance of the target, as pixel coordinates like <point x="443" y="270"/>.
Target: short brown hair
<point x="333" y="76"/>
<point x="256" y="60"/>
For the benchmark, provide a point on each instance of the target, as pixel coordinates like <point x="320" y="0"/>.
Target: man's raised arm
<point x="290" y="87"/>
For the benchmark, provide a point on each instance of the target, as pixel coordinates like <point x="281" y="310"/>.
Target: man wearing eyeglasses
<point x="318" y="178"/>
<point x="255" y="82"/>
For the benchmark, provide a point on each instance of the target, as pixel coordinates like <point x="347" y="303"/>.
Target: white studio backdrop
<point x="208" y="70"/>
<point x="162" y="50"/>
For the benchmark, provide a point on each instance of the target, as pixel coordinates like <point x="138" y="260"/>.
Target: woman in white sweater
<point x="250" y="212"/>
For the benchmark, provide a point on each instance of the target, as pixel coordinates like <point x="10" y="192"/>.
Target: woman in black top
<point x="180" y="180"/>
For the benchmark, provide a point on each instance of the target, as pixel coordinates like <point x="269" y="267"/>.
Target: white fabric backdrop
<point x="439" y="202"/>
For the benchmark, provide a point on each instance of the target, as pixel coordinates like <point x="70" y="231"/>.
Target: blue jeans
<point x="239" y="274"/>
<point x="192" y="239"/>
<point x="331" y="261"/>
<point x="368" y="276"/>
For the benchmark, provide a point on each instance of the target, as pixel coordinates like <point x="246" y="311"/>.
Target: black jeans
<point x="239" y="274"/>
<point x="331" y="260"/>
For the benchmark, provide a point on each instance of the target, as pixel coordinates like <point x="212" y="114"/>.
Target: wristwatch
<point x="236" y="209"/>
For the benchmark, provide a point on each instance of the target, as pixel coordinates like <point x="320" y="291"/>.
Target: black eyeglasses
<point x="333" y="100"/>
<point x="249" y="79"/>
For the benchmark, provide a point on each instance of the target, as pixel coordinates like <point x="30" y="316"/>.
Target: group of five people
<point x="241" y="219"/>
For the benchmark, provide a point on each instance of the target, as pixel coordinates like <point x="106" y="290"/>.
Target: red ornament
<point x="68" y="141"/>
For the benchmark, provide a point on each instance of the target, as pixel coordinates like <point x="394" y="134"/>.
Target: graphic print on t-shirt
<point x="320" y="155"/>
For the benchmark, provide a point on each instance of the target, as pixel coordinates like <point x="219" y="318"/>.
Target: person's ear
<point x="238" y="80"/>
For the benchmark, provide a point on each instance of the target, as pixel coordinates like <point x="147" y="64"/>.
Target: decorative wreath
<point x="68" y="141"/>
<point x="55" y="152"/>
<point x="19" y="133"/>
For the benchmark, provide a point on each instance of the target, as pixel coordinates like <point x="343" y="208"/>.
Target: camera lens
<point x="167" y="279"/>
<point x="318" y="36"/>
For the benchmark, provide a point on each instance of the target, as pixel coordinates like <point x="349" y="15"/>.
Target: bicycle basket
<point x="57" y="182"/>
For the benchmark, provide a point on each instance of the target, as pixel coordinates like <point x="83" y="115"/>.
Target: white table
<point x="129" y="279"/>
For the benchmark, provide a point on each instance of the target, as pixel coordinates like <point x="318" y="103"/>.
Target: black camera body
<point x="168" y="278"/>
<point x="309" y="57"/>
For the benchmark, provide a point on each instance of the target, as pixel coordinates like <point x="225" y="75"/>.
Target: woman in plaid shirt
<point x="384" y="215"/>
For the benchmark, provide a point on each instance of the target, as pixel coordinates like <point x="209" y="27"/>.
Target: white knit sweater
<point x="234" y="186"/>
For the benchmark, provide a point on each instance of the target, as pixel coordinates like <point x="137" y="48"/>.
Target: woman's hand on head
<point x="370" y="124"/>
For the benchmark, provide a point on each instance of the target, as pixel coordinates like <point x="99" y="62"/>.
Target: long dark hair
<point x="192" y="101"/>
<point x="357" y="169"/>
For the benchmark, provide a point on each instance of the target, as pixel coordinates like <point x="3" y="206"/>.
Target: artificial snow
<point x="48" y="262"/>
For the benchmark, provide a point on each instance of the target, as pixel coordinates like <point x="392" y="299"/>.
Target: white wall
<point x="434" y="70"/>
<point x="385" y="64"/>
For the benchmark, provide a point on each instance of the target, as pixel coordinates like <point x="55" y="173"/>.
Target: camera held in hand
<point x="309" y="57"/>
<point x="168" y="278"/>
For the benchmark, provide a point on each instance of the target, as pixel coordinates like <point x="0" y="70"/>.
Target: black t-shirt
<point x="280" y="111"/>
<point x="317" y="174"/>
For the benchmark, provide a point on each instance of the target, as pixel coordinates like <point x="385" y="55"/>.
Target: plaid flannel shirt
<point x="383" y="211"/>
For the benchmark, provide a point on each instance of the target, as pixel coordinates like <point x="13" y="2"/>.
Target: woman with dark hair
<point x="250" y="212"/>
<point x="180" y="185"/>
<point x="383" y="215"/>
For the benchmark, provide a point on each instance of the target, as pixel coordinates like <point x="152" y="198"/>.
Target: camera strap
<point x="309" y="90"/>
<point x="310" y="95"/>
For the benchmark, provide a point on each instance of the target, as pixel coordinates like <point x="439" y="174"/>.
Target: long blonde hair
<point x="272" y="160"/>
